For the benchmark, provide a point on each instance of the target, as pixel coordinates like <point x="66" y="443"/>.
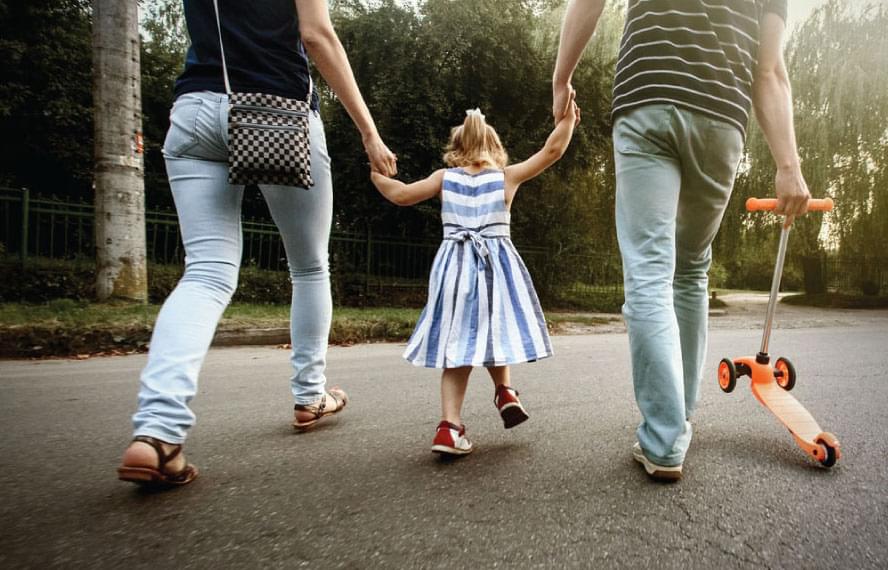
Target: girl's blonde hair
<point x="475" y="143"/>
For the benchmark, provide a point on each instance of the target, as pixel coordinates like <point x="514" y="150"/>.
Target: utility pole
<point x="121" y="271"/>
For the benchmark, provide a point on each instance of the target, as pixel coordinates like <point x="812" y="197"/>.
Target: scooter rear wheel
<point x="727" y="375"/>
<point x="830" y="446"/>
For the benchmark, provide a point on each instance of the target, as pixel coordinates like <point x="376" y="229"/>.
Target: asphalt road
<point x="365" y="492"/>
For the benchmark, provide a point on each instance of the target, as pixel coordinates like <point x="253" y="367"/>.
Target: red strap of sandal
<point x="499" y="389"/>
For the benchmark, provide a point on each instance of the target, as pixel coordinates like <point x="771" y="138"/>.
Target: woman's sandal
<point x="158" y="477"/>
<point x="319" y="409"/>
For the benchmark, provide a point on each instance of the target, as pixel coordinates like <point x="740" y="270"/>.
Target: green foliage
<point x="164" y="43"/>
<point x="449" y="56"/>
<point x="420" y="64"/>
<point x="838" y="64"/>
<point x="67" y="328"/>
<point x="45" y="95"/>
<point x="718" y="276"/>
<point x="753" y="271"/>
<point x="838" y="301"/>
<point x="44" y="280"/>
<point x="586" y="299"/>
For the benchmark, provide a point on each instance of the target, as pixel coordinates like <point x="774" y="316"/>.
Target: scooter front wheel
<point x="727" y="375"/>
<point x="786" y="378"/>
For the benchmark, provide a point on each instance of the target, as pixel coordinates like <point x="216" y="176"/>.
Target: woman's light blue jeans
<point x="209" y="212"/>
<point x="675" y="171"/>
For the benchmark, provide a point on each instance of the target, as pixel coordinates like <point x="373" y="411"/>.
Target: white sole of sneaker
<point x="447" y="450"/>
<point x="659" y="472"/>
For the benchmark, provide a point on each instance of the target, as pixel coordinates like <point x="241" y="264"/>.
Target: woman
<point x="267" y="44"/>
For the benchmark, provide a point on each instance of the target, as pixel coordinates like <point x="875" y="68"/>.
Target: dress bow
<point x="476" y="238"/>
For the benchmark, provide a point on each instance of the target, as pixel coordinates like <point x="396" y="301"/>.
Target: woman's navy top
<point x="263" y="49"/>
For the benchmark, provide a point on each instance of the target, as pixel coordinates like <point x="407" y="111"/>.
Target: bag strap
<point x="222" y="48"/>
<point x="225" y="66"/>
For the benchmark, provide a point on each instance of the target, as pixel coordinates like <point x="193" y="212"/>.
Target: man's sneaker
<point x="658" y="472"/>
<point x="451" y="440"/>
<point x="509" y="406"/>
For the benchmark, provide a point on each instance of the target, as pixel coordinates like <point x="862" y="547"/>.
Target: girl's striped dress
<point x="482" y="309"/>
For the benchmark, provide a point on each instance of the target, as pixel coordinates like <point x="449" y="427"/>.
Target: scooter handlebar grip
<point x="769" y="204"/>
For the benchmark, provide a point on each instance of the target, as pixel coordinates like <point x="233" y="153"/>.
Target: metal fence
<point x="364" y="263"/>
<point x="361" y="263"/>
<point x="856" y="275"/>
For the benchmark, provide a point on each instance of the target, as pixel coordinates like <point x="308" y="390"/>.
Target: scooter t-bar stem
<point x="775" y="290"/>
<point x="770" y="204"/>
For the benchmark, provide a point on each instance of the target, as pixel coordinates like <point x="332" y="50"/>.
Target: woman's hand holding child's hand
<point x="381" y="158"/>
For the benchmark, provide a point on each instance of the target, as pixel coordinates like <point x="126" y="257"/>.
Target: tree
<point x="119" y="184"/>
<point x="45" y="100"/>
<point x="839" y="62"/>
<point x="838" y="65"/>
<point x="164" y="43"/>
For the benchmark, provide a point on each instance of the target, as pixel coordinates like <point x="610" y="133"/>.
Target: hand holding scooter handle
<point x="769" y="204"/>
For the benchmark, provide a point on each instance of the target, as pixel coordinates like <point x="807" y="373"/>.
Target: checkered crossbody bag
<point x="268" y="135"/>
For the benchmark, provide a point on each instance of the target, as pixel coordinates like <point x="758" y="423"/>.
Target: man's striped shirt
<point x="696" y="54"/>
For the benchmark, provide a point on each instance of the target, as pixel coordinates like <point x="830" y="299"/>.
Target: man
<point x="687" y="75"/>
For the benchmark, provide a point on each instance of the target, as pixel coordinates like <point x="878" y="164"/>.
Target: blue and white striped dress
<point x="482" y="309"/>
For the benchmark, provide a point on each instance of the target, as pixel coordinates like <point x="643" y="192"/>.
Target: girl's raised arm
<point x="402" y="194"/>
<point x="554" y="149"/>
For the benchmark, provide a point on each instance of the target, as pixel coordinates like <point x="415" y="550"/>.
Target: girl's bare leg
<point x="454" y="382"/>
<point x="499" y="375"/>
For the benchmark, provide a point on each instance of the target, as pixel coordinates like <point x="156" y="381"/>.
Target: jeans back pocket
<point x="182" y="134"/>
<point x="642" y="130"/>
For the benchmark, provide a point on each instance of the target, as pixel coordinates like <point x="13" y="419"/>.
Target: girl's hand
<point x="553" y="150"/>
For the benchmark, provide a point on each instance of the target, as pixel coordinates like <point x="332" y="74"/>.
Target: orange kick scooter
<point x="771" y="384"/>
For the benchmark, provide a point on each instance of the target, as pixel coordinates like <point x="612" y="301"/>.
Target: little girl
<point x="482" y="309"/>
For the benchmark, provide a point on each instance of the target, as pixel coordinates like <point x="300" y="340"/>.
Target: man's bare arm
<point x="580" y="21"/>
<point x="328" y="55"/>
<point x="772" y="98"/>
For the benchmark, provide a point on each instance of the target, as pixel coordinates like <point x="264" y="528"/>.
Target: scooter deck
<point x="788" y="410"/>
<point x="792" y="414"/>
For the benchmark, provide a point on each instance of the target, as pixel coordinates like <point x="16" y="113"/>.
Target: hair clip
<point x="475" y="111"/>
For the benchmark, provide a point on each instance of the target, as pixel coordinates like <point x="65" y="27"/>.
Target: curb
<point x="252" y="337"/>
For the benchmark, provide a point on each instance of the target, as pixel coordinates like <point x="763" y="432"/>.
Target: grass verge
<point x="79" y="329"/>
<point x="564" y="322"/>
<point x="73" y="328"/>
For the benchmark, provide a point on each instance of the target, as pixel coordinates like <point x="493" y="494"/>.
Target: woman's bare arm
<point x="326" y="51"/>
